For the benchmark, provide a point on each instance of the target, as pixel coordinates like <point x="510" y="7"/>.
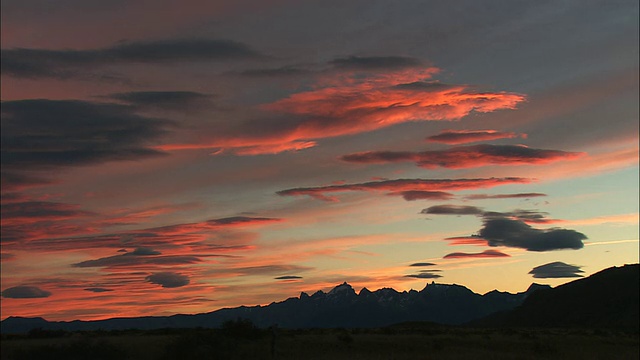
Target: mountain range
<point x="609" y="297"/>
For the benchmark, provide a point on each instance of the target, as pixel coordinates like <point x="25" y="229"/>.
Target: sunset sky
<point x="166" y="156"/>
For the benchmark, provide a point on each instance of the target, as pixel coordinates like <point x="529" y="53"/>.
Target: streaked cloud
<point x="484" y="254"/>
<point x="503" y="196"/>
<point x="40" y="63"/>
<point x="456" y="137"/>
<point x="40" y="136"/>
<point x="452" y="210"/>
<point x="400" y="185"/>
<point x="465" y="156"/>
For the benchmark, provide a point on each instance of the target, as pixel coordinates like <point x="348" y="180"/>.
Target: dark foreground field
<point x="399" y="342"/>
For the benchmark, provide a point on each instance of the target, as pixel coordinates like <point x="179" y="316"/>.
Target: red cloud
<point x="399" y="186"/>
<point x="466" y="156"/>
<point x="467" y="240"/>
<point x="456" y="137"/>
<point x="352" y="103"/>
<point x="484" y="254"/>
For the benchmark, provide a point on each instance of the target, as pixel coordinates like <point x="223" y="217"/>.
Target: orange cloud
<point x="349" y="103"/>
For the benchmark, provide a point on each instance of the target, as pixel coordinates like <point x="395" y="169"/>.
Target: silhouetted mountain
<point x="340" y="307"/>
<point x="607" y="299"/>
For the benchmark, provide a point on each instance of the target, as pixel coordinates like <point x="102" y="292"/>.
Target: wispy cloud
<point x="372" y="93"/>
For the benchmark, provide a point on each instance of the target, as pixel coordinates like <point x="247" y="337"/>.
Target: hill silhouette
<point x="607" y="299"/>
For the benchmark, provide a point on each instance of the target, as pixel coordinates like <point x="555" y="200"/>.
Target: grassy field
<point x="400" y="342"/>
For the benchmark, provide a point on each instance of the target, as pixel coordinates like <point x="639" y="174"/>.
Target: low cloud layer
<point x="556" y="269"/>
<point x="399" y="186"/>
<point x="456" y="137"/>
<point x="465" y="156"/>
<point x="25" y="292"/>
<point x="168" y="279"/>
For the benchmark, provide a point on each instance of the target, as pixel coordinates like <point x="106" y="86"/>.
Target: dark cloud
<point x="168" y="279"/>
<point x="143" y="251"/>
<point x="556" y="270"/>
<point x="39" y="210"/>
<point x="455" y="137"/>
<point x="423" y="264"/>
<point x="397" y="186"/>
<point x="132" y="259"/>
<point x="516" y="233"/>
<point x="98" y="289"/>
<point x="36" y="63"/>
<point x="427" y="274"/>
<point x="7" y="256"/>
<point x="376" y="63"/>
<point x="284" y="71"/>
<point x="452" y="210"/>
<point x="20" y="180"/>
<point x="412" y="195"/>
<point x="528" y="216"/>
<point x="43" y="134"/>
<point x="503" y="196"/>
<point x="484" y="254"/>
<point x="165" y="100"/>
<point x="465" y="156"/>
<point x="288" y="277"/>
<point x="25" y="292"/>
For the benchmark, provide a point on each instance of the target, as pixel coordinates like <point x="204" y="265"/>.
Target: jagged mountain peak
<point x="343" y="288"/>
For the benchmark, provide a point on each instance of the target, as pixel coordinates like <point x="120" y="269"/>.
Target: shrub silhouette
<point x="241" y="328"/>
